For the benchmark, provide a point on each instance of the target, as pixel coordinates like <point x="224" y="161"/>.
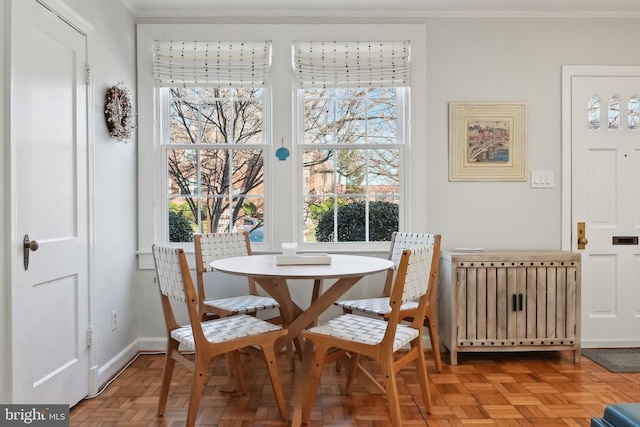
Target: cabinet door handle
<point x="520" y="302"/>
<point x="515" y="305"/>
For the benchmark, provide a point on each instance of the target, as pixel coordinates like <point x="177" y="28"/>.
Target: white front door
<point x="50" y="304"/>
<point x="605" y="196"/>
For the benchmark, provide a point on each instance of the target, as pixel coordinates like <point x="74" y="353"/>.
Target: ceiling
<point x="396" y="8"/>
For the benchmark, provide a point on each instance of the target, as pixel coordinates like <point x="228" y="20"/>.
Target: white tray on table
<point x="302" y="259"/>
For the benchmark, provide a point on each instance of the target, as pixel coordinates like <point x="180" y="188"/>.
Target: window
<point x="594" y="113"/>
<point x="351" y="163"/>
<point x="212" y="114"/>
<point x="214" y="153"/>
<point x="213" y="148"/>
<point x="634" y="113"/>
<point x="352" y="100"/>
<point x="614" y="115"/>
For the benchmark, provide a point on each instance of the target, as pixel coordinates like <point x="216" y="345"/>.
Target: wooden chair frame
<point x="205" y="350"/>
<point x="390" y="360"/>
<point x="202" y="267"/>
<point x="430" y="315"/>
<point x="209" y="309"/>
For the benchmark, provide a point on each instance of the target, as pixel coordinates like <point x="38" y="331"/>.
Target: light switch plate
<point x="541" y="179"/>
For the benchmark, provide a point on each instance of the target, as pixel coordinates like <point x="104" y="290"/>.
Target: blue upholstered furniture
<point x="619" y="415"/>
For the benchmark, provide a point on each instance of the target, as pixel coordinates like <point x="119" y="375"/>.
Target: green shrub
<point x="179" y="228"/>
<point x="383" y="221"/>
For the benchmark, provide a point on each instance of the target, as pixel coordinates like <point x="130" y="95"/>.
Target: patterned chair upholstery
<point x="380" y="305"/>
<point x="213" y="246"/>
<point x="376" y="338"/>
<point x="207" y="339"/>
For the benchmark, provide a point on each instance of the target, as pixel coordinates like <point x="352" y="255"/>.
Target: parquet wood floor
<point x="488" y="389"/>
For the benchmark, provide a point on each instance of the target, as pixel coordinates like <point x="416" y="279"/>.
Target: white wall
<point x="504" y="59"/>
<point x="114" y="174"/>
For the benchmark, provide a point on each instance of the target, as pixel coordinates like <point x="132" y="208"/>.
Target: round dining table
<point x="347" y="270"/>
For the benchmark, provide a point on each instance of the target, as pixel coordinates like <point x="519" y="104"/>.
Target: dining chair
<point x="380" y="305"/>
<point x="212" y="246"/>
<point x="207" y="339"/>
<point x="378" y="339"/>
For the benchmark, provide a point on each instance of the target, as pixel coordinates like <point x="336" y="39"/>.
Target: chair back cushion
<point x="403" y="240"/>
<point x="168" y="272"/>
<point x="418" y="271"/>
<point x="215" y="246"/>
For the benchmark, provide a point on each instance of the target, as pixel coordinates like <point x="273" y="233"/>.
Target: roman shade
<point x="352" y="64"/>
<point x="218" y="64"/>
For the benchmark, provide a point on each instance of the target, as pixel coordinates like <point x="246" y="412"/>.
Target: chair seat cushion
<point x="224" y="329"/>
<point x="378" y="306"/>
<point x="366" y="330"/>
<point x="244" y="304"/>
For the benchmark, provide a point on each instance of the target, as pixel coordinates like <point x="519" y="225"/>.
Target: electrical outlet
<point x="114" y="319"/>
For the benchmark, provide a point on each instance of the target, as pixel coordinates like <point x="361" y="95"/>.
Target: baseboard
<point x="152" y="344"/>
<point x="113" y="366"/>
<point x="110" y="369"/>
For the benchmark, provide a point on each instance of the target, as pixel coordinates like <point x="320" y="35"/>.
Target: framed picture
<point x="487" y="142"/>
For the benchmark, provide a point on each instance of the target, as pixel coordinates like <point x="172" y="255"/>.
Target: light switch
<point x="541" y="179"/>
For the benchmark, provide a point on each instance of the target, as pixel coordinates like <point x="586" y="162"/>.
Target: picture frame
<point x="487" y="142"/>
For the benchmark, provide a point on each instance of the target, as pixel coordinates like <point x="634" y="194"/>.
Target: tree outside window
<point x="350" y="153"/>
<point x="215" y="161"/>
<point x="351" y="164"/>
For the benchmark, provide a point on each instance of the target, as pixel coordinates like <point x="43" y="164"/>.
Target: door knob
<point x="582" y="239"/>
<point x="28" y="246"/>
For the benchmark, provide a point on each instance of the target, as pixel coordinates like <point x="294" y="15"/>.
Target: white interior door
<point x="605" y="164"/>
<point x="51" y="300"/>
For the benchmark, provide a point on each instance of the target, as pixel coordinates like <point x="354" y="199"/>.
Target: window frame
<point x="164" y="102"/>
<point x="280" y="129"/>
<point x="402" y="126"/>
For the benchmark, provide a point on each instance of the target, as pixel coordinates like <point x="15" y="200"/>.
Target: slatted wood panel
<point x="503" y="300"/>
<point x="489" y="300"/>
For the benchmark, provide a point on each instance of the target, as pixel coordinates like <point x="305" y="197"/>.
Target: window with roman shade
<point x="213" y="103"/>
<point x="354" y="102"/>
<point x="352" y="64"/>
<point x="364" y="153"/>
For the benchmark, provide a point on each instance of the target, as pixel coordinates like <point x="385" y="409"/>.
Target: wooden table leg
<point x="320" y="305"/>
<point x="317" y="290"/>
<point x="278" y="289"/>
<point x="298" y="399"/>
<point x="297" y="319"/>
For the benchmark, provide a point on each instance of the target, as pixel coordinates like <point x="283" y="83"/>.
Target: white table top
<point x="265" y="266"/>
